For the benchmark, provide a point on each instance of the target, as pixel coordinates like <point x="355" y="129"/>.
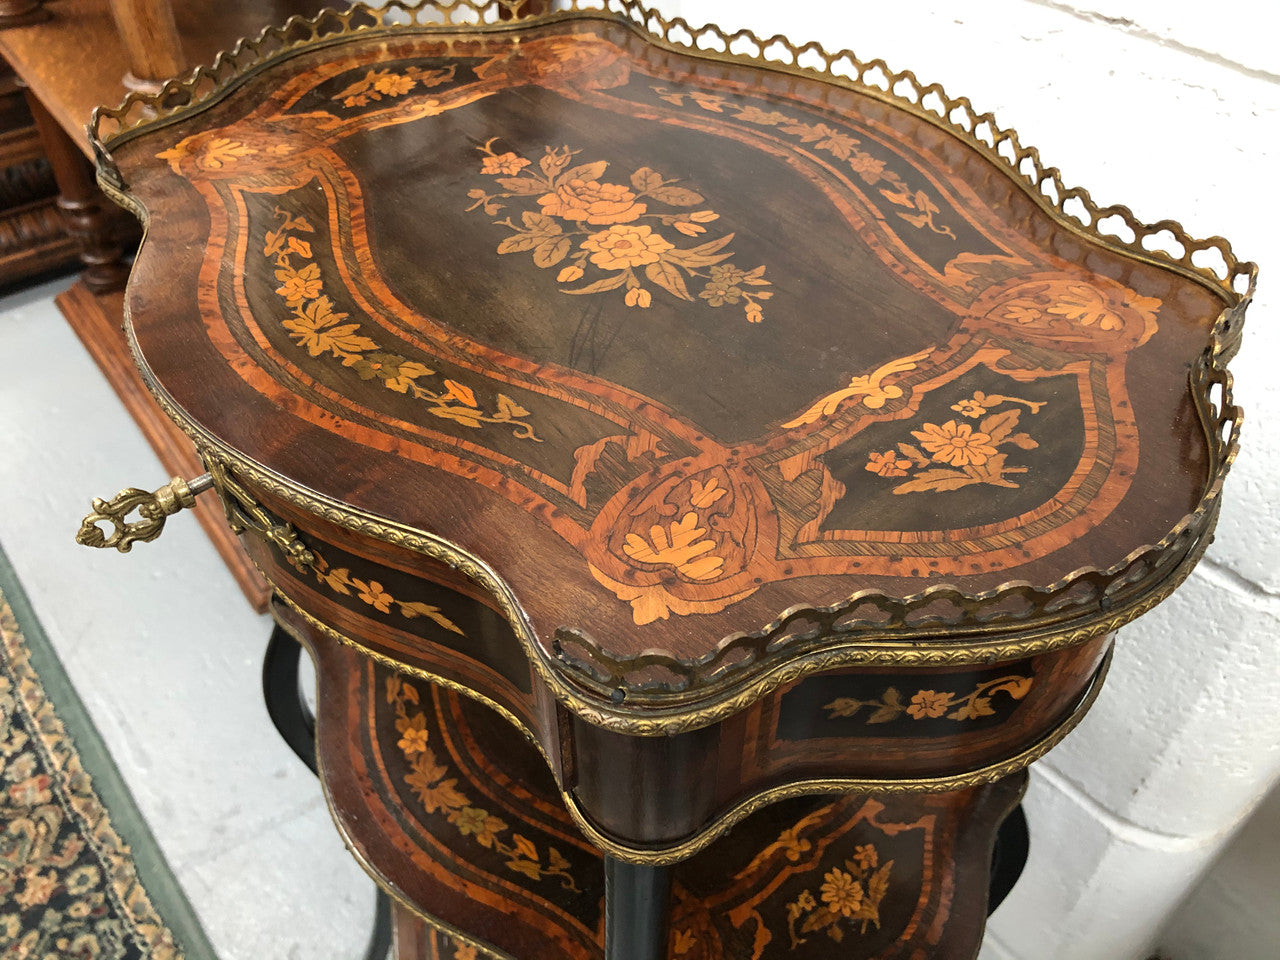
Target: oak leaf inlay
<point x="678" y="544"/>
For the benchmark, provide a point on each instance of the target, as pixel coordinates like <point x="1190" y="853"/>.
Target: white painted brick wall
<point x="1233" y="911"/>
<point x="1172" y="108"/>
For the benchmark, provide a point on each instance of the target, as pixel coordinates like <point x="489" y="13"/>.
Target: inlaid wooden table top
<point x="691" y="360"/>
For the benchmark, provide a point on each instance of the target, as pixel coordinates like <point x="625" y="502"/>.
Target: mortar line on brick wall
<point x="1222" y="575"/>
<point x="1124" y="828"/>
<point x="1135" y="29"/>
<point x="989" y="939"/>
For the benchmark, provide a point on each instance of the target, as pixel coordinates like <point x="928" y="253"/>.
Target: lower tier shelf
<point x="457" y="815"/>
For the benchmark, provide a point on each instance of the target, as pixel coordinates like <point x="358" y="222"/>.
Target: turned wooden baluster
<point x="15" y="13"/>
<point x="151" y="43"/>
<point x="88" y="214"/>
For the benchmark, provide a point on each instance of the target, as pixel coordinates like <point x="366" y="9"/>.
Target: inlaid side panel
<point x="442" y="805"/>
<point x="887" y="725"/>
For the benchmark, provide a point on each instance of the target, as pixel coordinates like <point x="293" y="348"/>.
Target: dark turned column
<point x="17" y="13"/>
<point x="636" y="902"/>
<point x="88" y="214"/>
<point x="296" y="725"/>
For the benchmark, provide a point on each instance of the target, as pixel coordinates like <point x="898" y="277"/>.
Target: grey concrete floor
<point x="166" y="655"/>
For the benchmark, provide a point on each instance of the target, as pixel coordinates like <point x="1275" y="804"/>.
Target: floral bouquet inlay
<point x="610" y="236"/>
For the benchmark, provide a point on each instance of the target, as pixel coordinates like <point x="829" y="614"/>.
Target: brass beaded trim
<point x="596" y="673"/>
<point x="661" y="856"/>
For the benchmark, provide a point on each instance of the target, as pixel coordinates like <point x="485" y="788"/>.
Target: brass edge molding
<point x="640" y="721"/>
<point x="637" y="720"/>
<point x="390" y="889"/>
<point x="664" y="856"/>
<point x="179" y="99"/>
<point x="883" y="649"/>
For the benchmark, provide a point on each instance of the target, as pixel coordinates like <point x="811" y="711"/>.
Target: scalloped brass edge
<point x="674" y="853"/>
<point x="902" y="89"/>
<point x="1223" y="342"/>
<point x="887" y="649"/>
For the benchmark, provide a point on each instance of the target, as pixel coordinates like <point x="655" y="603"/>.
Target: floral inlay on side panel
<point x="437" y="788"/>
<point x="612" y="236"/>
<point x="848" y="899"/>
<point x="374" y="594"/>
<point x="317" y="326"/>
<point x="931" y="704"/>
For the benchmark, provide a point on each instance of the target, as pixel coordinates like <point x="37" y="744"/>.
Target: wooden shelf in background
<point x="96" y="319"/>
<point x="72" y="62"/>
<point x="75" y="61"/>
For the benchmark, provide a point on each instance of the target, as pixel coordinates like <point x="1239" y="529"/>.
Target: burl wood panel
<point x="446" y="809"/>
<point x="673" y="346"/>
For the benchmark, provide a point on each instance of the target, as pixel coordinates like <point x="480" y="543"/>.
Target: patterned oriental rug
<point x="71" y="887"/>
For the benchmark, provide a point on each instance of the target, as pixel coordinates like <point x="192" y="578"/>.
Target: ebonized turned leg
<point x="636" y="905"/>
<point x="1013" y="843"/>
<point x="296" y="724"/>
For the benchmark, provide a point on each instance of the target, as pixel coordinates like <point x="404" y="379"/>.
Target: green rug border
<point x="157" y="877"/>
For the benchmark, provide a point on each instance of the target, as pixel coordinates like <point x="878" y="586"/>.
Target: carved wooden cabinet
<point x="703" y="482"/>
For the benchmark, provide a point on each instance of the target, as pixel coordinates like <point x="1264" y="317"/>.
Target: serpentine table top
<point x="684" y="374"/>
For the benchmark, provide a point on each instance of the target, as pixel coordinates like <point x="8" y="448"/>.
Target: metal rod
<point x="636" y="908"/>
<point x="296" y="725"/>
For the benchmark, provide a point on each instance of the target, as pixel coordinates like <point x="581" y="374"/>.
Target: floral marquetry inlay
<point x="917" y="386"/>
<point x="930" y="704"/>
<point x="956" y="454"/>
<point x="916" y="207"/>
<point x="318" y="326"/>
<point x="847" y="900"/>
<point x="438" y="789"/>
<point x="371" y="592"/>
<point x="376" y="84"/>
<point x="614" y="236"/>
